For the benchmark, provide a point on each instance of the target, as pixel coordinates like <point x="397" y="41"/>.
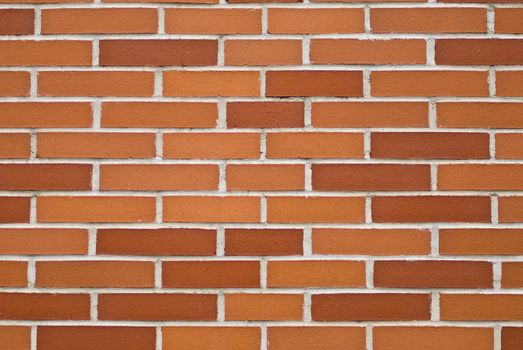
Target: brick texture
<point x="261" y="175"/>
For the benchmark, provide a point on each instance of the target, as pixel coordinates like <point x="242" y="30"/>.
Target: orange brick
<point x="17" y="21"/>
<point x="509" y="83"/>
<point x="260" y="307"/>
<point x="433" y="274"/>
<point x="370" y="241"/>
<point x="264" y="177"/>
<point x="159" y="115"/>
<point x="481" y="242"/>
<point x="508" y="20"/>
<point x="320" y="273"/>
<point x="96" y="145"/>
<point x="165" y="1"/>
<point x="13" y="274"/>
<point x="14" y="209"/>
<point x="501" y="177"/>
<point x="429" y="83"/>
<point x="510" y="209"/>
<point x="480" y="115"/>
<point x="169" y="241"/>
<point x="211" y="209"/>
<point x="429" y="20"/>
<point x="369" y="114"/>
<point x="43" y="241"/>
<point x="158" y="52"/>
<point x="211" y="145"/>
<point x="314" y="145"/>
<point x="15" y="145"/>
<point x="479" y="52"/>
<point x="262" y="52"/>
<point x="245" y="242"/>
<point x="15" y="337"/>
<point x="96" y="83"/>
<point x="39" y="306"/>
<point x="315" y="21"/>
<point x="42" y="1"/>
<point x="212" y="83"/>
<point x="95" y="209"/>
<point x="431" y="209"/>
<point x="354" y="51"/>
<point x="315" y="209"/>
<point x="314" y="83"/>
<point x="211" y="338"/>
<point x="433" y="338"/>
<point x="370" y="177"/>
<point x="426" y="145"/>
<point x="481" y="307"/>
<point x="370" y="307"/>
<point x="312" y="338"/>
<point x="509" y="146"/>
<point x="212" y="21"/>
<point x="153" y="177"/>
<point x="265" y="114"/>
<point x="94" y="274"/>
<point x="14" y="83"/>
<point x="99" y="21"/>
<point x="512" y="275"/>
<point x="157" y="307"/>
<point x="45" y="115"/>
<point x="211" y="274"/>
<point x="97" y="337"/>
<point x="45" y="53"/>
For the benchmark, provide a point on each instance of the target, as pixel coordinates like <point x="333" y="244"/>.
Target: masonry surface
<point x="261" y="175"/>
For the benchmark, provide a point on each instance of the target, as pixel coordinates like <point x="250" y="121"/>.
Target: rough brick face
<point x="261" y="175"/>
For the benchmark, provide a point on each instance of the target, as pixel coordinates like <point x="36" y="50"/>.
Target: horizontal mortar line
<point x="314" y="257"/>
<point x="215" y="99"/>
<point x="275" y="161"/>
<point x="291" y="257"/>
<point x="279" y="68"/>
<point x="307" y="5"/>
<point x="227" y="323"/>
<point x="259" y="194"/>
<point x="269" y="130"/>
<point x="259" y="291"/>
<point x="360" y="4"/>
<point x="243" y="36"/>
<point x="227" y="225"/>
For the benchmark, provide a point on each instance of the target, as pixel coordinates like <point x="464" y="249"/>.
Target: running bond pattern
<point x="261" y="175"/>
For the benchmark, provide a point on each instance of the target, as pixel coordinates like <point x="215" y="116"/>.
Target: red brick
<point x="157" y="307"/>
<point x="64" y="177"/>
<point x="374" y="177"/>
<point x="39" y="306"/>
<point x="211" y="274"/>
<point x="431" y="209"/>
<point x="246" y="242"/>
<point x="97" y="337"/>
<point x="370" y="241"/>
<point x="265" y="115"/>
<point x="370" y="307"/>
<point x="156" y="242"/>
<point x="17" y="21"/>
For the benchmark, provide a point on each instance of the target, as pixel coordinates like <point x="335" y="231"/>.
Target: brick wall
<point x="261" y="175"/>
